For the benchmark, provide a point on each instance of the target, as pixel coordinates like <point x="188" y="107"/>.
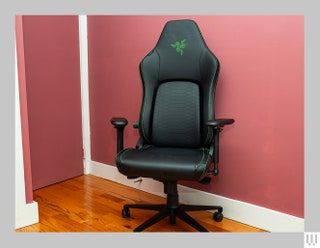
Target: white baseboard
<point x="26" y="215"/>
<point x="253" y="215"/>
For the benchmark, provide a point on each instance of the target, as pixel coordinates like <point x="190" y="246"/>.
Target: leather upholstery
<point x="179" y="79"/>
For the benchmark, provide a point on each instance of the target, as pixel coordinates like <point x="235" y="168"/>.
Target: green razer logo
<point x="179" y="46"/>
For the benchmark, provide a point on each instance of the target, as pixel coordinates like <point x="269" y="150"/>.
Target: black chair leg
<point x="173" y="210"/>
<point x="165" y="210"/>
<point x="197" y="208"/>
<point x="154" y="219"/>
<point x="189" y="220"/>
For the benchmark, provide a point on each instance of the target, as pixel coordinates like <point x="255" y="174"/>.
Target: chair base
<point x="172" y="210"/>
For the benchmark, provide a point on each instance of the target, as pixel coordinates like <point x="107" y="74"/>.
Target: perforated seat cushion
<point x="163" y="163"/>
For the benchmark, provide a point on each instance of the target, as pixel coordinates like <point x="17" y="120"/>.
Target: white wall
<point x="25" y="214"/>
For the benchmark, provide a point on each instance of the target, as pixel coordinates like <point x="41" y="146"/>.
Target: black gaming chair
<point x="179" y="135"/>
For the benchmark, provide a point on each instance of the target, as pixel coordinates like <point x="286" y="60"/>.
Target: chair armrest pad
<point x="219" y="122"/>
<point x="119" y="121"/>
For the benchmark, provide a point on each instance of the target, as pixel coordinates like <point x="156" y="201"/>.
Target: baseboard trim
<point x="253" y="215"/>
<point x="26" y="215"/>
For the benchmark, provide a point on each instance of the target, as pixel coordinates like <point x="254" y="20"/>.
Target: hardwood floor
<point x="93" y="204"/>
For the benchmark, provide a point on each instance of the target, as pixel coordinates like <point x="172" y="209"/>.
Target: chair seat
<point x="164" y="163"/>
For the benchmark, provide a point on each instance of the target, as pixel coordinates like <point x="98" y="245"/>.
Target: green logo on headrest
<point x="179" y="46"/>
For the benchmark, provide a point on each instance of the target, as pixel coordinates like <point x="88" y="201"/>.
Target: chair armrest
<point x="119" y="122"/>
<point x="219" y="122"/>
<point x="217" y="125"/>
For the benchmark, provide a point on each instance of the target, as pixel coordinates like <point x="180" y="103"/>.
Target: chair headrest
<point x="180" y="49"/>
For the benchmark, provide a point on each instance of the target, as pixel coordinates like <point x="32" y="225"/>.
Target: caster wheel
<point x="218" y="217"/>
<point x="125" y="212"/>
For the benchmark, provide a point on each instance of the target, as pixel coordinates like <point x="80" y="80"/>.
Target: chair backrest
<point x="179" y="79"/>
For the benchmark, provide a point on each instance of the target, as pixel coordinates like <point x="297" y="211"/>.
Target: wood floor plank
<point x="92" y="204"/>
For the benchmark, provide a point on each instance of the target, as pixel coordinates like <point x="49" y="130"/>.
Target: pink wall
<point x="53" y="97"/>
<point x="261" y="86"/>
